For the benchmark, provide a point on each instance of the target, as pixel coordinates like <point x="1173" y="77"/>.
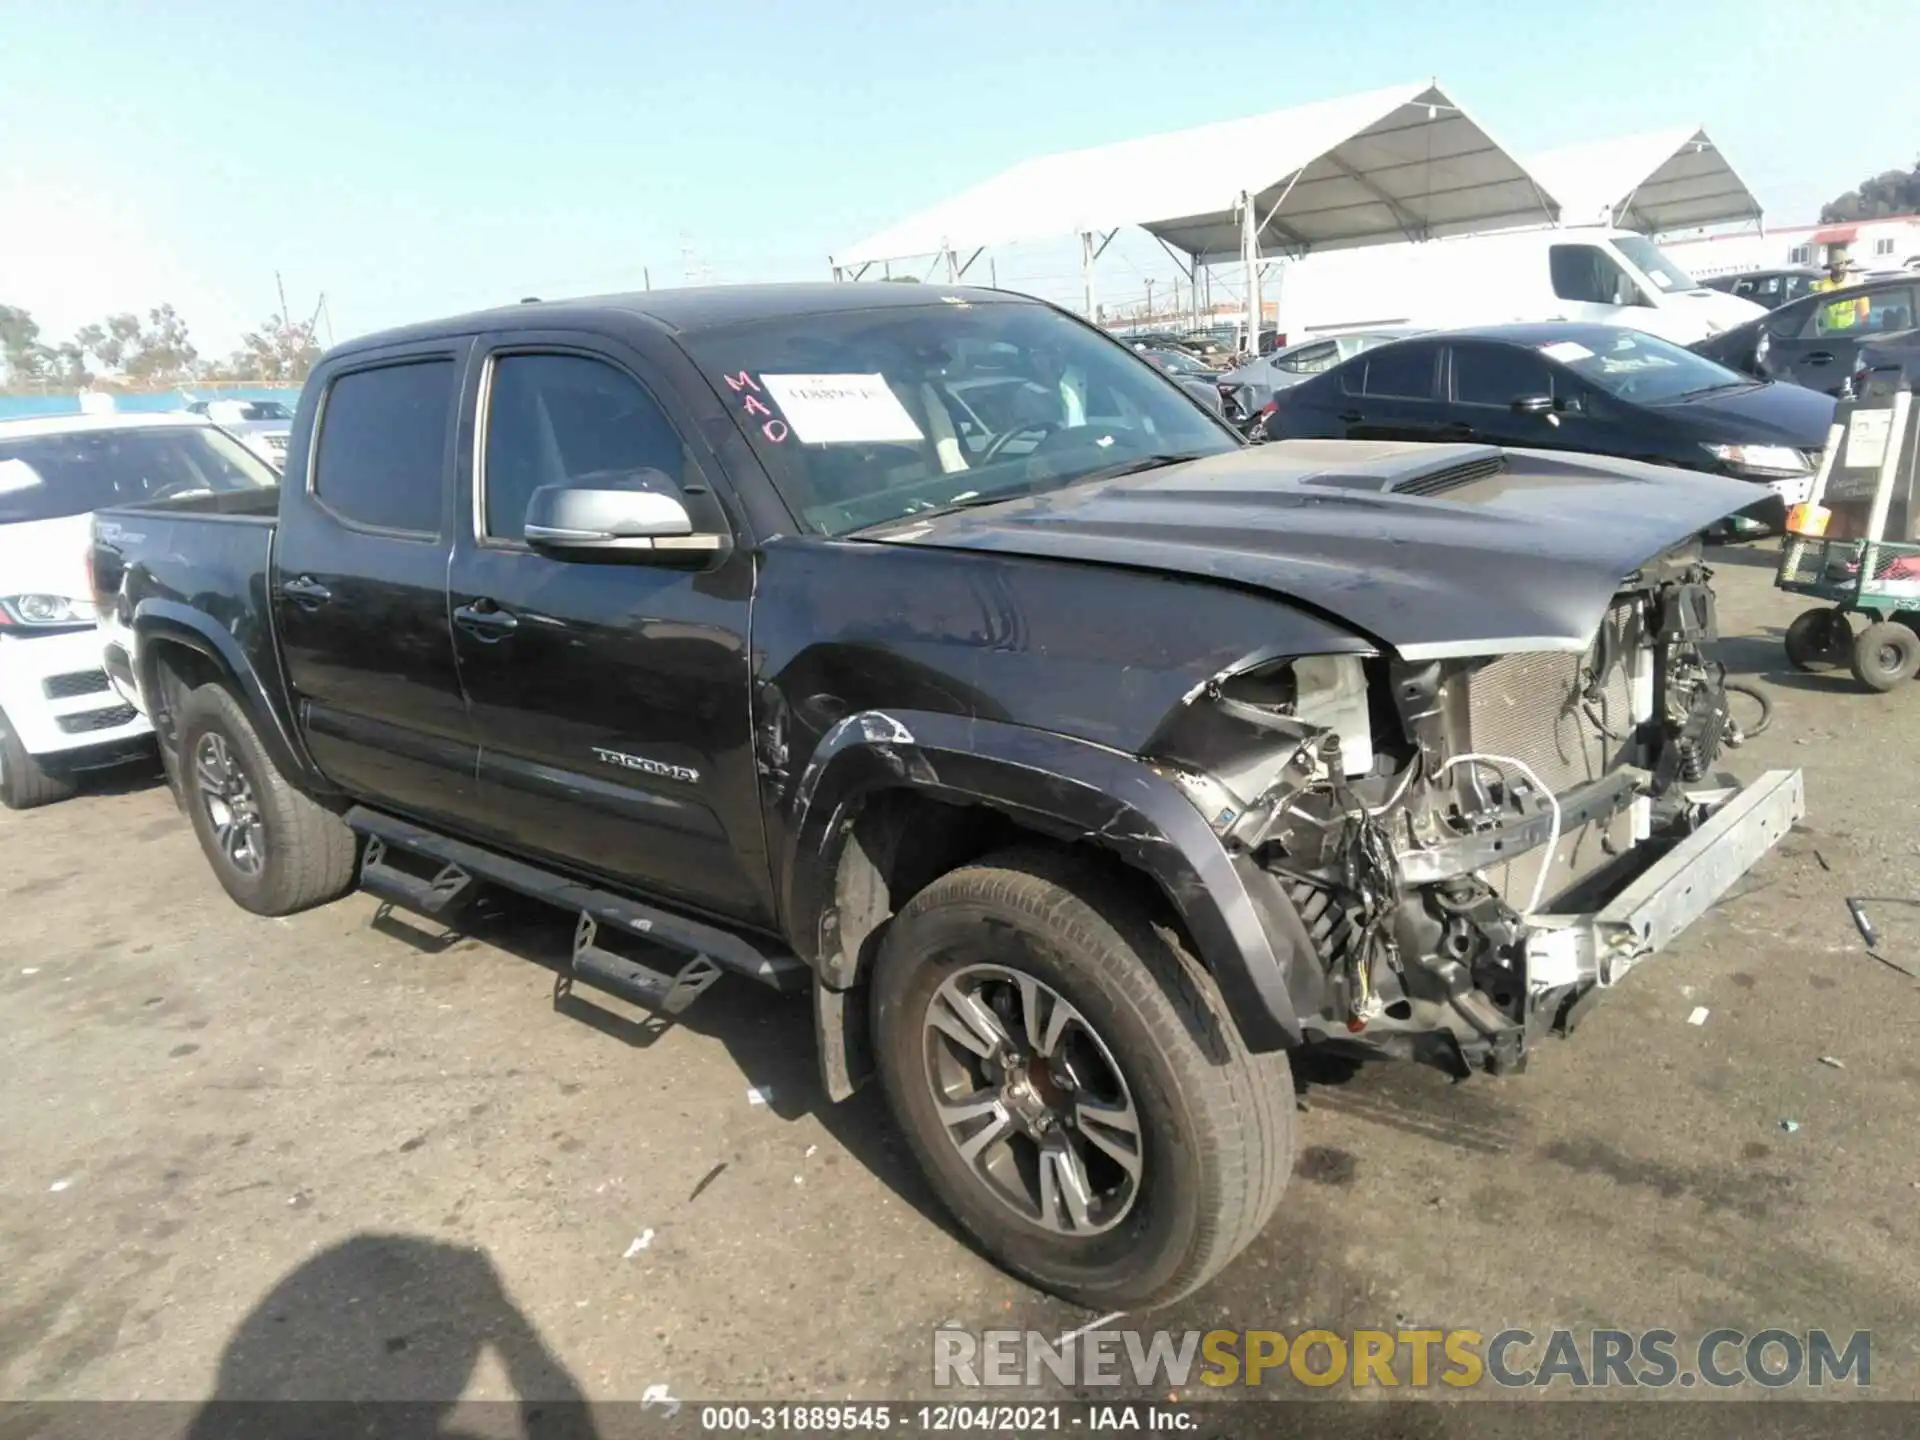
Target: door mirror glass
<point x="634" y="522"/>
<point x="1533" y="405"/>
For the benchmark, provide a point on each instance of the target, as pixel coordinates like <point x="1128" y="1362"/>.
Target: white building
<point x="1892" y="243"/>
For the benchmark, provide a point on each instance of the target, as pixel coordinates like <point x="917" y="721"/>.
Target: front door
<point x="1820" y="351"/>
<point x="359" y="583"/>
<point x="611" y="698"/>
<point x="1487" y="383"/>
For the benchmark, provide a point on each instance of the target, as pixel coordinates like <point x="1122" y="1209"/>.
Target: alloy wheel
<point x="227" y="796"/>
<point x="1032" y="1100"/>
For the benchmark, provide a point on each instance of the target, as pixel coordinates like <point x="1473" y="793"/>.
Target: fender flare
<point x="158" y="622"/>
<point x="1247" y="935"/>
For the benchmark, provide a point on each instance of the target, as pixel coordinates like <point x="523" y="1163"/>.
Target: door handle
<point x="1351" y="417"/>
<point x="305" y="590"/>
<point x="485" y="620"/>
<point x="1457" y="429"/>
<point x="1818" y="357"/>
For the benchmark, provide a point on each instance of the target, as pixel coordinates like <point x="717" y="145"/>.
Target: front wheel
<point x="24" y="782"/>
<point x="1885" y="654"/>
<point x="272" y="849"/>
<point x="1071" y="1084"/>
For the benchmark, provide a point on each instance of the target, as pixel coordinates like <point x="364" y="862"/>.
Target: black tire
<point x="304" y="855"/>
<point x="1819" y="640"/>
<point x="25" y="783"/>
<point x="1885" y="654"/>
<point x="1215" y="1123"/>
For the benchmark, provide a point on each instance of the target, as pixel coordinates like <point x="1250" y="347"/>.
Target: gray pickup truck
<point x="925" y="651"/>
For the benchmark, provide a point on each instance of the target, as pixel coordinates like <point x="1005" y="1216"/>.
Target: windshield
<point x="45" y="477"/>
<point x="267" y="410"/>
<point x="1654" y="264"/>
<point x="1641" y="368"/>
<point x="869" y="416"/>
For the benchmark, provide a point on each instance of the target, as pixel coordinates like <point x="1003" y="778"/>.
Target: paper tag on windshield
<point x="18" y="475"/>
<point x="841" y="409"/>
<point x="1566" y="351"/>
<point x="1867" y="435"/>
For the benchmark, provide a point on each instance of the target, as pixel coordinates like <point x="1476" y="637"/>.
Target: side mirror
<point x="606" y="523"/>
<point x="1205" y="391"/>
<point x="1533" y="405"/>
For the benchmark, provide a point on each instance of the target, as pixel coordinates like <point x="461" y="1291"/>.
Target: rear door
<point x="360" y="583"/>
<point x="1398" y="395"/>
<point x="611" y="699"/>
<point x="1819" y="352"/>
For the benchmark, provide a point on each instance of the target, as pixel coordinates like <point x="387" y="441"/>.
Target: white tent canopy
<point x="1397" y="164"/>
<point x="1656" y="182"/>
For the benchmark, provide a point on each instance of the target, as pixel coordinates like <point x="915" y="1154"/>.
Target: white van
<point x="1589" y="273"/>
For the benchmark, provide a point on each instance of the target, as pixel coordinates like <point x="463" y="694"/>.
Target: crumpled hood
<point x="1514" y="550"/>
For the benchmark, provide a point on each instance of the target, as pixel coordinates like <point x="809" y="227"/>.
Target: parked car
<point x="1175" y="362"/>
<point x="1599" y="389"/>
<point x="59" y="714"/>
<point x="1246" y="389"/>
<point x="1768" y="288"/>
<point x="1581" y="274"/>
<point x="1812" y="341"/>
<point x="262" y="425"/>
<point x="1079" y="769"/>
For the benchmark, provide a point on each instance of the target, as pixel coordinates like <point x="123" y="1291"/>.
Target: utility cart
<point x="1854" y="543"/>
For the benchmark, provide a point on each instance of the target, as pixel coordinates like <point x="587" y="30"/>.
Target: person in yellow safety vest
<point x="1842" y="314"/>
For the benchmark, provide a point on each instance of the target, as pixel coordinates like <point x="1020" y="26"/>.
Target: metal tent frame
<point x="1657" y="182"/>
<point x="1404" y="163"/>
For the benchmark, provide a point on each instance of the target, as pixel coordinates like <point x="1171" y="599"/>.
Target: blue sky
<point x="414" y="159"/>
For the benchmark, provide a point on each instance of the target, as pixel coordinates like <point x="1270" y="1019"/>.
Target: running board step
<point x="633" y="980"/>
<point x="436" y="896"/>
<point x="726" y="949"/>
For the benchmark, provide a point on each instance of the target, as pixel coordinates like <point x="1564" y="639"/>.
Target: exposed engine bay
<point x="1439" y="827"/>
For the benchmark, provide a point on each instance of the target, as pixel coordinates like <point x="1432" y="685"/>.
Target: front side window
<point x="1401" y="372"/>
<point x="1588" y="275"/>
<point x="570" y="420"/>
<point x="1498" y="375"/>
<point x="383" y="445"/>
<point x="46" y="477"/>
<point x="1862" y="312"/>
<point x="868" y="416"/>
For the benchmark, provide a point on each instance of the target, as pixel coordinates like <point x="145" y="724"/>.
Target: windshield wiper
<point x="1716" y="389"/>
<point x="1137" y="465"/>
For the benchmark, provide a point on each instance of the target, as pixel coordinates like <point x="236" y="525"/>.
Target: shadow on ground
<point x="393" y="1320"/>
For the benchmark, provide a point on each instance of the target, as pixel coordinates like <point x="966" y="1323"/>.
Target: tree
<point x="281" y="349"/>
<point x="1893" y="192"/>
<point x="21" y="352"/>
<point x="165" y="354"/>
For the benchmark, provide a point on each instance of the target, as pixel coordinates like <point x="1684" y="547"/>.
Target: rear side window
<point x="383" y="445"/>
<point x="1497" y="375"/>
<point x="1401" y="372"/>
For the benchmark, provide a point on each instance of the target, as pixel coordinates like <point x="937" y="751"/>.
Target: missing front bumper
<point x="1600" y="948"/>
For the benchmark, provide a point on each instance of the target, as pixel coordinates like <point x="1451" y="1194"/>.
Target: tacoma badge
<point x="651" y="767"/>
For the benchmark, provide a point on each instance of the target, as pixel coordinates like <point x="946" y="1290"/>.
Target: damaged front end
<point x="1477" y="846"/>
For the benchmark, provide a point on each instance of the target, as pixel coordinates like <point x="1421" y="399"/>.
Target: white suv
<point x="59" y="711"/>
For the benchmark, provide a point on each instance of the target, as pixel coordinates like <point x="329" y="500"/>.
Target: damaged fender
<point x="1244" y="929"/>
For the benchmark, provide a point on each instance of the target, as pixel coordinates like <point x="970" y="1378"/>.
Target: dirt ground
<point x="322" y="1156"/>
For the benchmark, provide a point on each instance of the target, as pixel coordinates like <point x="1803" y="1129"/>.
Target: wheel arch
<point x="893" y="799"/>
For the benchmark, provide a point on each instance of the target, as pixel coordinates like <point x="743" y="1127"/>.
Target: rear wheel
<point x="1071" y="1085"/>
<point x="1819" y="640"/>
<point x="24" y="782"/>
<point x="273" y="849"/>
<point x="1885" y="654"/>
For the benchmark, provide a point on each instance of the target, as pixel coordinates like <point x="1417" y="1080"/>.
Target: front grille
<point x="277" y="444"/>
<point x="79" y="682"/>
<point x="1452" y="477"/>
<point x="97" y="720"/>
<point x="1533" y="707"/>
